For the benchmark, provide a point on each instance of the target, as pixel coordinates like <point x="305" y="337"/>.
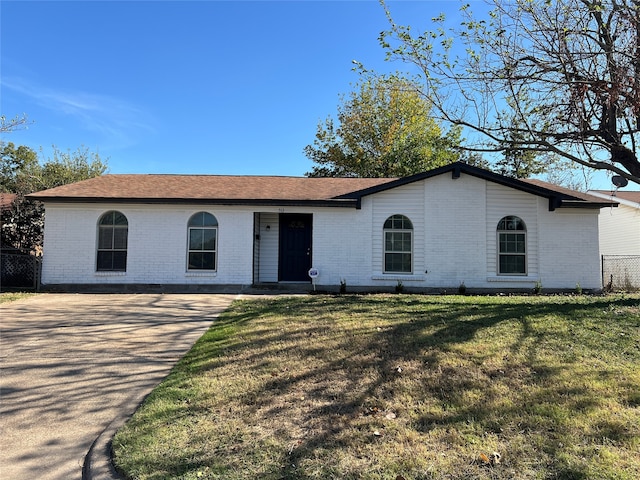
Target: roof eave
<point x="556" y="199"/>
<point x="587" y="205"/>
<point x="344" y="203"/>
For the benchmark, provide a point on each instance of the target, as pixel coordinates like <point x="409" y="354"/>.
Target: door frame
<point x="304" y="253"/>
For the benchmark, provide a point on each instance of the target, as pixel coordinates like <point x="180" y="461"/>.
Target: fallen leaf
<point x="484" y="458"/>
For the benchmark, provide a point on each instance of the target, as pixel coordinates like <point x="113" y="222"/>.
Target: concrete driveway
<point x="71" y="364"/>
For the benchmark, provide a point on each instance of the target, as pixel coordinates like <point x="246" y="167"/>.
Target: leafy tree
<point x="384" y="129"/>
<point x="519" y="163"/>
<point x="14" y="163"/>
<point x="22" y="173"/>
<point x="568" y="72"/>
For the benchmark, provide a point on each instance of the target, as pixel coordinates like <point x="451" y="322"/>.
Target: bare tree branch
<point x="561" y="77"/>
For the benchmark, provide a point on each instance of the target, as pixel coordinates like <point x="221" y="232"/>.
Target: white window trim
<point x="513" y="279"/>
<point x="206" y="272"/>
<point x="385" y="251"/>
<point x="400" y="277"/>
<point x="499" y="254"/>
<point x="509" y="254"/>
<point x="113" y="228"/>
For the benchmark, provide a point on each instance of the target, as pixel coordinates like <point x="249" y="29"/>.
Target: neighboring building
<point x="430" y="231"/>
<point x="620" y="239"/>
<point x="6" y="200"/>
<point x="620" y="227"/>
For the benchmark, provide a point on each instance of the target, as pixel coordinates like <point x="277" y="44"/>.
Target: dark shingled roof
<point x="272" y="190"/>
<point x="6" y="200"/>
<point x="580" y="196"/>
<point x="219" y="189"/>
<point x="629" y="196"/>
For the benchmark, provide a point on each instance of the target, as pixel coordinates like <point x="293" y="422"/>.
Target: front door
<point x="295" y="247"/>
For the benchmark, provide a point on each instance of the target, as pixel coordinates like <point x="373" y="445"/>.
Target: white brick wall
<point x="569" y="250"/>
<point x="454" y="240"/>
<point x="157" y="245"/>
<point x="342" y="245"/>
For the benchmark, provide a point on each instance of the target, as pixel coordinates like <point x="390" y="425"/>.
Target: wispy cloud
<point x="115" y="119"/>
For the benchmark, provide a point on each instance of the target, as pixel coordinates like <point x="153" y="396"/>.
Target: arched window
<point x="398" y="244"/>
<point x="113" y="229"/>
<point x="512" y="246"/>
<point x="203" y="242"/>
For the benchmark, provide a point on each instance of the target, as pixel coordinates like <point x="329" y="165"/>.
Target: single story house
<point x="431" y="231"/>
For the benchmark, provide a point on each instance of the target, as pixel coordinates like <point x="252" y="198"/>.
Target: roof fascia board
<point x="613" y="198"/>
<point x="587" y="205"/>
<point x="341" y="203"/>
<point x="456" y="170"/>
<point x="556" y="199"/>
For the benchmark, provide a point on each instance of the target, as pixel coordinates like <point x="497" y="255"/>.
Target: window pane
<point x="389" y="262"/>
<point x="512" y="264"/>
<point x="511" y="223"/>
<point x="119" y="261"/>
<point x="405" y="259"/>
<point x="195" y="239"/>
<point x="119" y="219"/>
<point x="107" y="219"/>
<point x="398" y="241"/>
<point x="406" y="242"/>
<point x="398" y="262"/>
<point x="512" y="243"/>
<point x="105" y="237"/>
<point x="398" y="222"/>
<point x="113" y="218"/>
<point x="120" y="238"/>
<point x="396" y="245"/>
<point x="105" y="260"/>
<point x="202" y="261"/>
<point x="508" y="243"/>
<point x="209" y="220"/>
<point x="203" y="219"/>
<point x="209" y="239"/>
<point x="112" y="261"/>
<point x="195" y="260"/>
<point x="208" y="261"/>
<point x="388" y="241"/>
<point x="391" y="244"/>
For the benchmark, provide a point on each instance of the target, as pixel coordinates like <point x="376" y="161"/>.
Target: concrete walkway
<point x="73" y="368"/>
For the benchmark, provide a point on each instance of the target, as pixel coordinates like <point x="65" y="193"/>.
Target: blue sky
<point x="220" y="87"/>
<point x="201" y="86"/>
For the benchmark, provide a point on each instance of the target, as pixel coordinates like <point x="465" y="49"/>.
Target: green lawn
<point x="400" y="387"/>
<point x="7" y="297"/>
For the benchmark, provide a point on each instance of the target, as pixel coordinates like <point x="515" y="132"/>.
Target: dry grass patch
<point x="7" y="297"/>
<point x="400" y="386"/>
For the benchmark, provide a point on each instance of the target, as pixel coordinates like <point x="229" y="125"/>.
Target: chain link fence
<point x="19" y="272"/>
<point x="621" y="272"/>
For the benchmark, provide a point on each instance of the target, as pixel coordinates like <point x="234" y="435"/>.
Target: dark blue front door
<point x="295" y="247"/>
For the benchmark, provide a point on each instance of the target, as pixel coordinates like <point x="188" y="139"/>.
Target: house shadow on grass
<point x="418" y="387"/>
